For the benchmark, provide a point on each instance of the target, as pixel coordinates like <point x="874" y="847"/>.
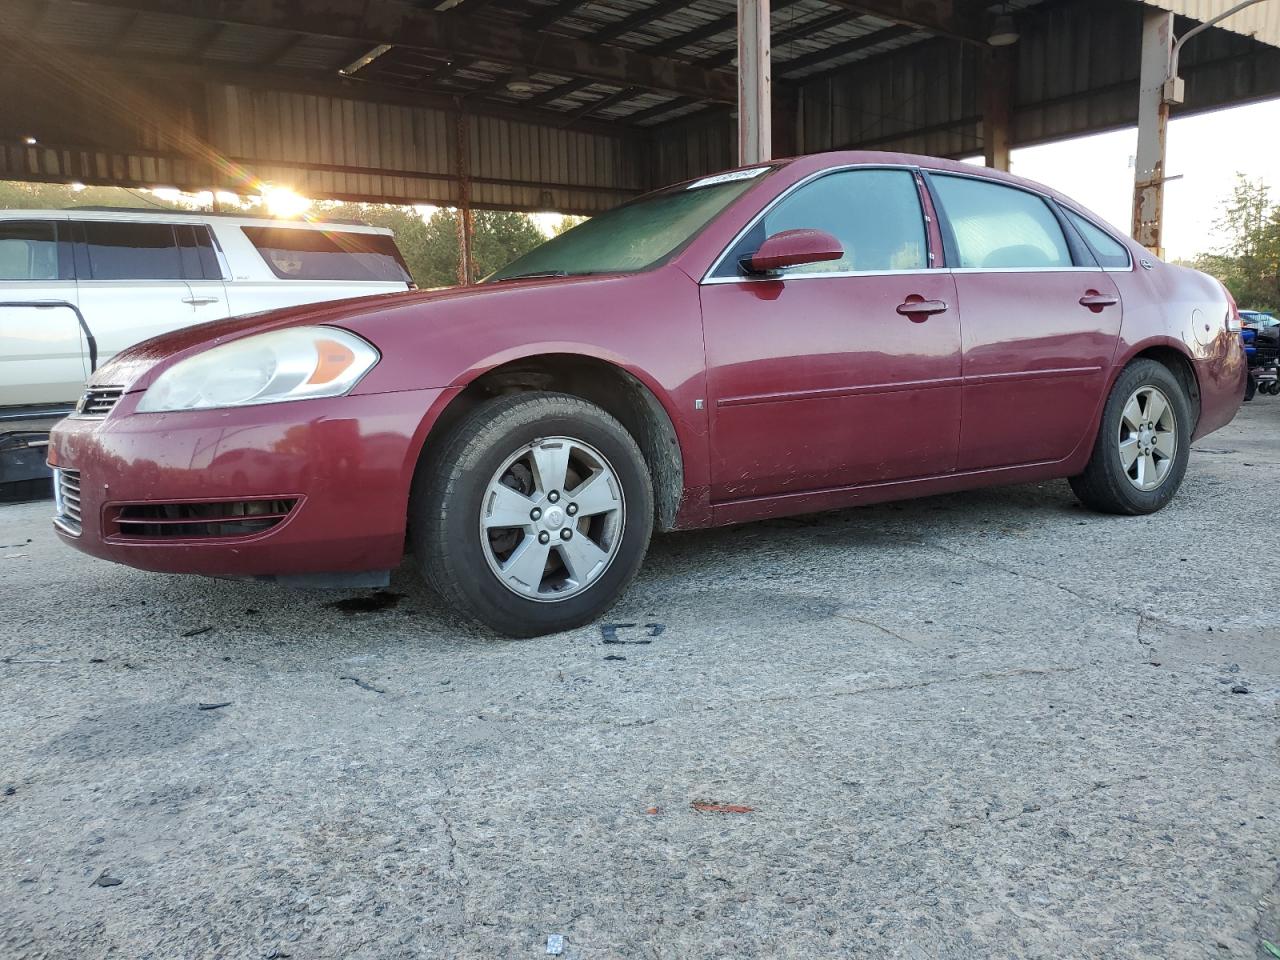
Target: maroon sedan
<point x="797" y="336"/>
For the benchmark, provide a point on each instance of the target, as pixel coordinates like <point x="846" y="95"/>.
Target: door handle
<point x="918" y="310"/>
<point x="200" y="301"/>
<point x="1095" y="301"/>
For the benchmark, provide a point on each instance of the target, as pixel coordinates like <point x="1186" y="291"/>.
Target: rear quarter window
<point x="1109" y="251"/>
<point x="297" y="254"/>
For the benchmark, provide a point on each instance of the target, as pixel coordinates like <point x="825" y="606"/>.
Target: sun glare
<point x="283" y="202"/>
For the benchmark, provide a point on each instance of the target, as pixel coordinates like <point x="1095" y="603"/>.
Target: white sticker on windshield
<point x="727" y="177"/>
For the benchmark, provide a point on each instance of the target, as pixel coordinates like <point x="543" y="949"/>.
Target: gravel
<point x="982" y="725"/>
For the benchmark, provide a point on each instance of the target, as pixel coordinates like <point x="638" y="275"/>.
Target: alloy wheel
<point x="1148" y="438"/>
<point x="551" y="520"/>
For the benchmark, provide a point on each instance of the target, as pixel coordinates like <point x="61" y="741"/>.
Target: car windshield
<point x="636" y="235"/>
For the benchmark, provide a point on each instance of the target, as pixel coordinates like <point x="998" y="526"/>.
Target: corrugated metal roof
<point x="1260" y="21"/>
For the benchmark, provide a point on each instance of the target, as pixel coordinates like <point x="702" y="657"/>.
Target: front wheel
<point x="1143" y="444"/>
<point x="534" y="515"/>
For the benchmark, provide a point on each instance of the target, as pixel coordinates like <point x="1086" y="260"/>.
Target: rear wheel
<point x="1143" y="444"/>
<point x="534" y="515"/>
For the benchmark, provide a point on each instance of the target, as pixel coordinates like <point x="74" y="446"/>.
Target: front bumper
<point x="343" y="465"/>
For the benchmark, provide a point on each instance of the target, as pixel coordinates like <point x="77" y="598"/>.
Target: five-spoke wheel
<point x="1143" y="442"/>
<point x="533" y="513"/>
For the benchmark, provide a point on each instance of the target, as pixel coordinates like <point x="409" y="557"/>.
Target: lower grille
<point x="66" y="496"/>
<point x="222" y="519"/>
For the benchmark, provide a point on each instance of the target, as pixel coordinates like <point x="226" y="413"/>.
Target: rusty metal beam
<point x="1153" y="125"/>
<point x="997" y="106"/>
<point x="393" y="21"/>
<point x="755" y="91"/>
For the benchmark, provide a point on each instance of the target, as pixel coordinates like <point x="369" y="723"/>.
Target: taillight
<point x="1234" y="323"/>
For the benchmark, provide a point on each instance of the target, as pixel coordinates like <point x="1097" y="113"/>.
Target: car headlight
<point x="299" y="363"/>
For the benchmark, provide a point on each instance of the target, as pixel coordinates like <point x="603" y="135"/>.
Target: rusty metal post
<point x="997" y="108"/>
<point x="466" y="225"/>
<point x="755" y="121"/>
<point x="1153" y="122"/>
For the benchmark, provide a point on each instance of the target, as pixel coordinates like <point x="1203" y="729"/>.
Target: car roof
<point x="138" y="214"/>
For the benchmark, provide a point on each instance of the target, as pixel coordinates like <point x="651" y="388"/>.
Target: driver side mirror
<point x="793" y="248"/>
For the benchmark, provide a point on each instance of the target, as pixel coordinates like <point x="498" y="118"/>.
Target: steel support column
<point x="466" y="225"/>
<point x="1153" y="122"/>
<point x="754" y="100"/>
<point x="997" y="105"/>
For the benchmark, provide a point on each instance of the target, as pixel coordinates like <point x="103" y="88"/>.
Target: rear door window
<point x="199" y="262"/>
<point x="131" y="251"/>
<point x="29" y="251"/>
<point x="298" y="254"/>
<point x="998" y="227"/>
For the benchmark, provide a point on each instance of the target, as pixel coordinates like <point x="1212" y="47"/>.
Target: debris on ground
<point x="653" y="811"/>
<point x="609" y="632"/>
<point x="363" y="684"/>
<point x="1271" y="948"/>
<point x="1240" y="688"/>
<point x="197" y="631"/>
<point x="105" y="880"/>
<point x="613" y="656"/>
<point x="378" y="600"/>
<point x="213" y="706"/>
<point x="712" y="806"/>
<point x="555" y="944"/>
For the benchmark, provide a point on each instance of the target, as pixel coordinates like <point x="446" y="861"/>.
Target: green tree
<point x="1249" y="263"/>
<point x="16" y="195"/>
<point x="567" y="222"/>
<point x="498" y="237"/>
<point x="430" y="246"/>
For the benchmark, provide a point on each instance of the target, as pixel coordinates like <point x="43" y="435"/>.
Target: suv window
<point x="999" y="227"/>
<point x="293" y="253"/>
<point x="199" y="262"/>
<point x="875" y="214"/>
<point x="131" y="251"/>
<point x="1109" y="251"/>
<point x="29" y="251"/>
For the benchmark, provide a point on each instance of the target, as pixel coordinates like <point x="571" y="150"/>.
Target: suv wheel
<point x="1144" y="442"/>
<point x="535" y="515"/>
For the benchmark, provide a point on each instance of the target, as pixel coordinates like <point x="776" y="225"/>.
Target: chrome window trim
<point x="830" y="275"/>
<point x="1026" y="269"/>
<point x="708" y="276"/>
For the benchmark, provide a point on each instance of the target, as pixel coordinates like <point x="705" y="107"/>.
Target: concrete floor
<point x="973" y="726"/>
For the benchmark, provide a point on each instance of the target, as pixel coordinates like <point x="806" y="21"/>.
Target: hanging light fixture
<point x="1004" y="32"/>
<point x="519" y="82"/>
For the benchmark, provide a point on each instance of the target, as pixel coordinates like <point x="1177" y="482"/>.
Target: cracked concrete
<point x="985" y="725"/>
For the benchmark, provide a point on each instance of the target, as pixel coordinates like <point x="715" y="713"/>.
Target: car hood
<point x="133" y="367"/>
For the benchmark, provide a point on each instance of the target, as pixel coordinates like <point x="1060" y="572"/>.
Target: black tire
<point x="1104" y="485"/>
<point x="449" y="495"/>
<point x="1250" y="387"/>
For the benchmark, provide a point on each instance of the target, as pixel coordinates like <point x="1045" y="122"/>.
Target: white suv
<point x="80" y="285"/>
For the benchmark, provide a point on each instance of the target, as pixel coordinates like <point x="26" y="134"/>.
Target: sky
<point x="1207" y="150"/>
